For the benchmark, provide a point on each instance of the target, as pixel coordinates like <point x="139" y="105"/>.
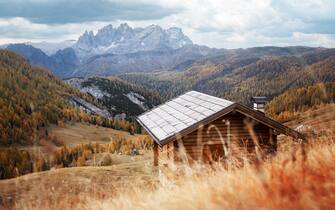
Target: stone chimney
<point x="258" y="103"/>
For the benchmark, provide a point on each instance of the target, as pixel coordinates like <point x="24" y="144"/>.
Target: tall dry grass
<point x="303" y="178"/>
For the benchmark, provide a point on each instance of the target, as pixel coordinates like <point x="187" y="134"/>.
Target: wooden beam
<point x="155" y="149"/>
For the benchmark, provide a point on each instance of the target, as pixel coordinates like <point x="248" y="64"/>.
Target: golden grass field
<point x="292" y="180"/>
<point x="300" y="176"/>
<point x="67" y="187"/>
<point x="81" y="133"/>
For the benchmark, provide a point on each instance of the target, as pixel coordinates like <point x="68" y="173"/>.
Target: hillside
<point x="61" y="63"/>
<point x="31" y="99"/>
<point x="290" y="103"/>
<point x="63" y="186"/>
<point x="116" y="95"/>
<point x="239" y="76"/>
<point x="319" y="120"/>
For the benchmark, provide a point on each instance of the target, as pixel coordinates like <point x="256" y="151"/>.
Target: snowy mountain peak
<point x="124" y="26"/>
<point x="87" y="39"/>
<point x="125" y="39"/>
<point x="108" y="27"/>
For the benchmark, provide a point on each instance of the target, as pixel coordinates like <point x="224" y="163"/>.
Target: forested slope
<point x="287" y="105"/>
<point x="31" y="99"/>
<point x="238" y="77"/>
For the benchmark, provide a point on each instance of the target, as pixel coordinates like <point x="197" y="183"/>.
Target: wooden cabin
<point x="203" y="127"/>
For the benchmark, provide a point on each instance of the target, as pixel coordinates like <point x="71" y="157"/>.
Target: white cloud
<point x="217" y="23"/>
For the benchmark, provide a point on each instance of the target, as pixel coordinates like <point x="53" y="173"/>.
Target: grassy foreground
<point x="303" y="178"/>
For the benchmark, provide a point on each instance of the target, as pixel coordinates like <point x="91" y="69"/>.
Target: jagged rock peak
<point x="125" y="39"/>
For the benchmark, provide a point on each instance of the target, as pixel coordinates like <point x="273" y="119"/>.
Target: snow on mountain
<point x="93" y="90"/>
<point x="137" y="99"/>
<point x="125" y="39"/>
<point x="88" y="107"/>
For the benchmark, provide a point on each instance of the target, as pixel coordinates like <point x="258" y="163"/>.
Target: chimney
<point x="258" y="103"/>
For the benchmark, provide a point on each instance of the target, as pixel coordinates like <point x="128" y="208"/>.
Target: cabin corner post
<point x="155" y="150"/>
<point x="273" y="139"/>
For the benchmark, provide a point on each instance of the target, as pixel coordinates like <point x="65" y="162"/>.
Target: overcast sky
<point x="216" y="23"/>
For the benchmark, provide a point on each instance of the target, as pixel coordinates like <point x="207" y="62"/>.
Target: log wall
<point x="235" y="131"/>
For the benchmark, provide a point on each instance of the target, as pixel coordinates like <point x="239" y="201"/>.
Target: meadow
<point x="300" y="176"/>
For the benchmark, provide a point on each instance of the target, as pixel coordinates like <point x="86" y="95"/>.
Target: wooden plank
<point x="155" y="150"/>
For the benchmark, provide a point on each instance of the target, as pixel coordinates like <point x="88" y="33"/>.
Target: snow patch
<point x="95" y="91"/>
<point x="137" y="99"/>
<point x="88" y="107"/>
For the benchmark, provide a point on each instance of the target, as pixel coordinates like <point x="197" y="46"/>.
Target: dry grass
<point x="77" y="134"/>
<point x="302" y="179"/>
<point x="69" y="188"/>
<point x="81" y="133"/>
<point x="298" y="177"/>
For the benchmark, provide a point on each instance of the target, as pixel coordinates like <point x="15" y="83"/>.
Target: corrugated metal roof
<point x="180" y="113"/>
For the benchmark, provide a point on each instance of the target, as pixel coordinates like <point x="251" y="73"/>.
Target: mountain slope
<point x="62" y="63"/>
<point x="239" y="76"/>
<point x="116" y="95"/>
<point x="31" y="99"/>
<point x="284" y="106"/>
<point x="51" y="48"/>
<point x="146" y="61"/>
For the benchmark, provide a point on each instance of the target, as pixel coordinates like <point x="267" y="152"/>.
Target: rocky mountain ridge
<point x="120" y="98"/>
<point x="125" y="39"/>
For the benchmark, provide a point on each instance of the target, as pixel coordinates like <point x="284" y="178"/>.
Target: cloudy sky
<point x="216" y="23"/>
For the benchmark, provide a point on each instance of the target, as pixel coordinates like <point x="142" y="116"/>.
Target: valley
<point x="71" y="137"/>
<point x="237" y="75"/>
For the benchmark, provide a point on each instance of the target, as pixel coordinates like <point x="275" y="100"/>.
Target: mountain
<point x="119" y="97"/>
<point x="62" y="63"/>
<point x="125" y="40"/>
<point x="148" y="61"/>
<point x="31" y="99"/>
<point x="242" y="73"/>
<point x="51" y="48"/>
<point x="115" y="50"/>
<point x="123" y="50"/>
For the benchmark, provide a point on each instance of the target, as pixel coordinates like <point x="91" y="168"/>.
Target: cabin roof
<point x="182" y="115"/>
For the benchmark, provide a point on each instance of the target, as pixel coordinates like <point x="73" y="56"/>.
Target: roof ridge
<point x="212" y="97"/>
<point x="163" y="103"/>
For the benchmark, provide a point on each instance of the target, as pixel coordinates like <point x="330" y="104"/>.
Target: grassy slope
<point x="85" y="187"/>
<point x="321" y="118"/>
<point x="76" y="134"/>
<point x="63" y="186"/>
<point x="81" y="133"/>
<point x="293" y="180"/>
